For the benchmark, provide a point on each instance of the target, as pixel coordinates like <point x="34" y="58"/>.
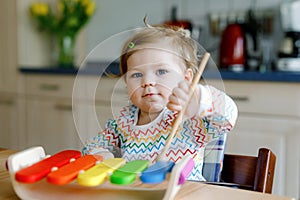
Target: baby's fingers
<point x="174" y="107"/>
<point x="177" y="100"/>
<point x="179" y="95"/>
<point x="184" y="86"/>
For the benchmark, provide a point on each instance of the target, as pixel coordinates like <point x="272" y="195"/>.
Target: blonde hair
<point x="180" y="42"/>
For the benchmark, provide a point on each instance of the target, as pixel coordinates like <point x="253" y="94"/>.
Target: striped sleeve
<point x="105" y="140"/>
<point x="219" y="110"/>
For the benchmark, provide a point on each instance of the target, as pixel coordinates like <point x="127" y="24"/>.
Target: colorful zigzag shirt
<point x="125" y="139"/>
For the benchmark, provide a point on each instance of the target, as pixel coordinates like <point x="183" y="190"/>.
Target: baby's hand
<point x="180" y="97"/>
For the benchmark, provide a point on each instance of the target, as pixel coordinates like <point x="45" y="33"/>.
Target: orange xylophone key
<point x="69" y="172"/>
<point x="40" y="169"/>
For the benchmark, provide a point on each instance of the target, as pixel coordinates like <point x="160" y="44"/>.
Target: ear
<point x="188" y="75"/>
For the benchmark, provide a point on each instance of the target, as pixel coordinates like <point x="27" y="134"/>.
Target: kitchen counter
<point x="275" y="76"/>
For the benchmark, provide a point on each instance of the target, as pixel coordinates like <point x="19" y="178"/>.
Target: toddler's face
<point x="152" y="74"/>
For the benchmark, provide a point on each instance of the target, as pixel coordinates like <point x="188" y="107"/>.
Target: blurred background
<point x="254" y="43"/>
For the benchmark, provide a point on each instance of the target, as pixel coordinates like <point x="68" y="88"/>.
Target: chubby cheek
<point x="135" y="99"/>
<point x="166" y="90"/>
<point x="132" y="90"/>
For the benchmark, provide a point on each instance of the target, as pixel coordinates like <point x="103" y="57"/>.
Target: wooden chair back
<point x="250" y="172"/>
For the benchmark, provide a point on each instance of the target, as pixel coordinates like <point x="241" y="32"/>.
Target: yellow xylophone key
<point x="97" y="174"/>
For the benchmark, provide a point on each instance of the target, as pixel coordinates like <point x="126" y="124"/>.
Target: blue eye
<point x="136" y="75"/>
<point x="162" y="71"/>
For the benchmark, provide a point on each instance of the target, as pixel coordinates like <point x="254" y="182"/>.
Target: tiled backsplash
<point x="219" y="20"/>
<point x="115" y="16"/>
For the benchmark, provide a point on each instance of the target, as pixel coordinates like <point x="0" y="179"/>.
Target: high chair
<point x="250" y="172"/>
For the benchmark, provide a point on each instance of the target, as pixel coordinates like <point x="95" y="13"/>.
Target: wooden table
<point x="189" y="191"/>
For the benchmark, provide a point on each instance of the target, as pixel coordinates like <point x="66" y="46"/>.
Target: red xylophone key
<point x="40" y="169"/>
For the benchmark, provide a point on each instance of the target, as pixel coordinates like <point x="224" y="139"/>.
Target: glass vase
<point x="65" y="50"/>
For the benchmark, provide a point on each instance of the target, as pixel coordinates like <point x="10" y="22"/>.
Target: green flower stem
<point x="66" y="45"/>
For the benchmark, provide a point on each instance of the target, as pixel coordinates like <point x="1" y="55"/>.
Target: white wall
<point x="114" y="17"/>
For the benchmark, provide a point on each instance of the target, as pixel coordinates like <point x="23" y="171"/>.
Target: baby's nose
<point x="148" y="81"/>
<point x="147" y="84"/>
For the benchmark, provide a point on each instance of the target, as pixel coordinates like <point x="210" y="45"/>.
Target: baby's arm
<point x="222" y="114"/>
<point x="106" y="143"/>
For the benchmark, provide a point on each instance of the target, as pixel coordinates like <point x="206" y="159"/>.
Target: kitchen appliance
<point x="232" y="53"/>
<point x="240" y="45"/>
<point x="289" y="50"/>
<point x="186" y="24"/>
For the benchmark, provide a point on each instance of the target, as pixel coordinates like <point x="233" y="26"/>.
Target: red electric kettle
<point x="233" y="48"/>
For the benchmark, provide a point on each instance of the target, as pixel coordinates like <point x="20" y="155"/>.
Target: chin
<point x="156" y="109"/>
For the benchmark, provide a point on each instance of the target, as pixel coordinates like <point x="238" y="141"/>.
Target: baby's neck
<point x="146" y="118"/>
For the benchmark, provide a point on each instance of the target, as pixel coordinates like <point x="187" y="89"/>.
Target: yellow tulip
<point x="66" y="19"/>
<point x="90" y="8"/>
<point x="40" y="9"/>
<point x="85" y="2"/>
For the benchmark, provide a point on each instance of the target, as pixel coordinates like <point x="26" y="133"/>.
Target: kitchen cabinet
<point x="63" y="111"/>
<point x="50" y="124"/>
<point x="100" y="100"/>
<point x="269" y="116"/>
<point x="49" y="116"/>
<point x="11" y="121"/>
<point x="8" y="43"/>
<point x="11" y="102"/>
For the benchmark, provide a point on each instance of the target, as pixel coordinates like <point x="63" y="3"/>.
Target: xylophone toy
<point x="69" y="175"/>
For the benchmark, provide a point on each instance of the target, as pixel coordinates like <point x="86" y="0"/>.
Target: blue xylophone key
<point x="156" y="173"/>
